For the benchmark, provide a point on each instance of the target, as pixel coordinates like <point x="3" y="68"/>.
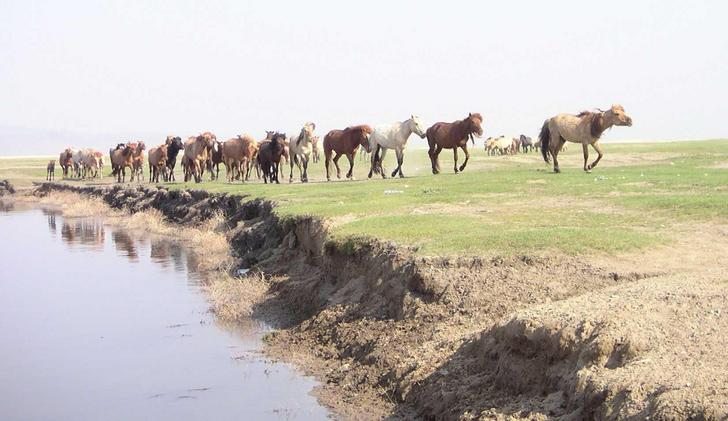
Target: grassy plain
<point x="502" y="204"/>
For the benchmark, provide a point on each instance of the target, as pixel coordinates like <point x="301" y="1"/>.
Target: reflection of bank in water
<point x="84" y="232"/>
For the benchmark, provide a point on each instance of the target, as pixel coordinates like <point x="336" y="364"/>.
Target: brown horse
<point x="196" y="152"/>
<point x="345" y="142"/>
<point x="121" y="157"/>
<point x="585" y="128"/>
<point x="237" y="155"/>
<point x="157" y="158"/>
<point x="453" y="136"/>
<point x="138" y="161"/>
<point x="65" y="160"/>
<point x="269" y="156"/>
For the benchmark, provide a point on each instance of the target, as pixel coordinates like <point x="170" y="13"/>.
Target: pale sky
<point x="102" y="72"/>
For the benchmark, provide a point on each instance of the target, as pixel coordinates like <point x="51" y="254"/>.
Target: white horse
<point x="392" y="136"/>
<point x="299" y="150"/>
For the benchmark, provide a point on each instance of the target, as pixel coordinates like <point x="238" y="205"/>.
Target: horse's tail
<point x="545" y="138"/>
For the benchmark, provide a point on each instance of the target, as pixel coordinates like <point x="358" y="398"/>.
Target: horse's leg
<point x="303" y="168"/>
<point x="555" y="148"/>
<point x="431" y="152"/>
<point x="455" y="156"/>
<point x="373" y="161"/>
<point x="597" y="147"/>
<point x="400" y="158"/>
<point x="380" y="161"/>
<point x="327" y="162"/>
<point x="467" y="157"/>
<point x="350" y="157"/>
<point x="336" y="164"/>
<point x="585" y="148"/>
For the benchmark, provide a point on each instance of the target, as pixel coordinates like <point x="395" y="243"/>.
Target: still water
<point x="96" y="323"/>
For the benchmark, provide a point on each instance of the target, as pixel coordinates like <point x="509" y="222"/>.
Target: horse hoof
<point x="556" y="170"/>
<point x="401" y="176"/>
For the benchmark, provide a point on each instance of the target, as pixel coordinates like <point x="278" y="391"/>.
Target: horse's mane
<point x="475" y="115"/>
<point x="300" y="136"/>
<point x="595" y="121"/>
<point x="363" y="127"/>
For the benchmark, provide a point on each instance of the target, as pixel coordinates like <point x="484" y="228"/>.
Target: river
<point x="97" y="323"/>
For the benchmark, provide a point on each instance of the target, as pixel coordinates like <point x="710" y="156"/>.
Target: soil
<point x="394" y="335"/>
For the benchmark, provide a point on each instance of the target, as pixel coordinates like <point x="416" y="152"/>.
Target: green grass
<point x="505" y="205"/>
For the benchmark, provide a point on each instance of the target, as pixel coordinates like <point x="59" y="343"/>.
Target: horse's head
<point x="617" y="116"/>
<point x="309" y="127"/>
<point x="269" y="134"/>
<point x="417" y="127"/>
<point x="206" y="139"/>
<point x="141" y="146"/>
<point x="176" y="143"/>
<point x="363" y="132"/>
<point x="475" y="121"/>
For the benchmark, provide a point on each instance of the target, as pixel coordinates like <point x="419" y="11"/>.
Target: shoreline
<point x="391" y="334"/>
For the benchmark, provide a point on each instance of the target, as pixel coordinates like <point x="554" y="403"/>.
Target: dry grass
<point x="233" y="298"/>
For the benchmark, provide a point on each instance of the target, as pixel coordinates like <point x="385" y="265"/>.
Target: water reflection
<point x="6" y="206"/>
<point x="90" y="234"/>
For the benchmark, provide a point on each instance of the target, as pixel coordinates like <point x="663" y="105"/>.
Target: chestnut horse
<point x="345" y="142"/>
<point x="453" y="136"/>
<point x="585" y="128"/>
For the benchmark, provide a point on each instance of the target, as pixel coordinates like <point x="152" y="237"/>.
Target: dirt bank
<point x="391" y="334"/>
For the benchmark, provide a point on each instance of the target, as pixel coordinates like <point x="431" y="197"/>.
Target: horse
<point x="51" y="170"/>
<point x="174" y="145"/>
<point x="453" y="136"/>
<point x="299" y="148"/>
<point x="196" y="152"/>
<point x="526" y="143"/>
<point x="515" y="145"/>
<point x="214" y="160"/>
<point x="121" y="157"/>
<point x="269" y="156"/>
<point x="138" y="162"/>
<point x="392" y="136"/>
<point x="92" y="162"/>
<point x="65" y="160"/>
<point x="237" y="155"/>
<point x="315" y="156"/>
<point x="157" y="158"/>
<point x="345" y="142"/>
<point x="586" y="128"/>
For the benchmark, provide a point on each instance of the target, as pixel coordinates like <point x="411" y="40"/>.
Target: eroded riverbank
<point x="394" y="334"/>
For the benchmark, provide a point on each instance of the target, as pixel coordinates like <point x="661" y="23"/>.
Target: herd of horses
<point x="244" y="154"/>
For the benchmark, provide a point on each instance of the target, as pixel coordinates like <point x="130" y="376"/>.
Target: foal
<point x="51" y="170"/>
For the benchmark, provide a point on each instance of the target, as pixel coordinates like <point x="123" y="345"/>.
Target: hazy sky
<point x="107" y="71"/>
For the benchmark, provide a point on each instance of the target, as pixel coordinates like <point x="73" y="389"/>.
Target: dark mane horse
<point x="453" y="136"/>
<point x="269" y="156"/>
<point x="345" y="142"/>
<point x="174" y="145"/>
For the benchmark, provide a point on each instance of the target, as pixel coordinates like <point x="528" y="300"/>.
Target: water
<point x="98" y="324"/>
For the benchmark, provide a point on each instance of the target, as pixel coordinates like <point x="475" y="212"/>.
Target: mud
<point x="395" y="335"/>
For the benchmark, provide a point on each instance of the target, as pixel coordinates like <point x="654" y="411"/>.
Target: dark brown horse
<point x="453" y="136"/>
<point x="174" y="145"/>
<point x="269" y="156"/>
<point x="345" y="142"/>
